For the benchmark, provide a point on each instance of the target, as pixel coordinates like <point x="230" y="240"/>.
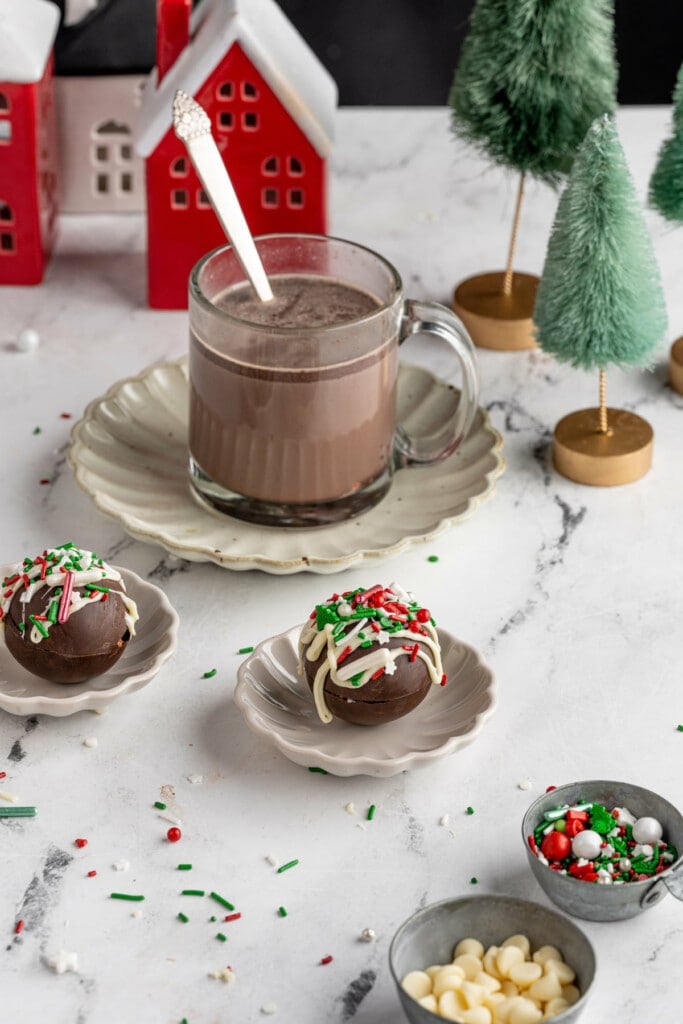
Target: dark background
<point x="387" y="52"/>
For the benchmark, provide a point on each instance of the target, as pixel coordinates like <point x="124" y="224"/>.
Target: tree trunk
<point x="507" y="281"/>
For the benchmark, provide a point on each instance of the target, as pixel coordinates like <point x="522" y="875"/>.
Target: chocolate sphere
<point x="86" y="645"/>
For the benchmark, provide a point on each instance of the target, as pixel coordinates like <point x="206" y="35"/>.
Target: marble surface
<point x="570" y="593"/>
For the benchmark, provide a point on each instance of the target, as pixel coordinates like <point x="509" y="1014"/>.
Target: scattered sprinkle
<point x="245" y="650"/>
<point x="90" y="742"/>
<point x="44" y="481"/>
<point x="326" y="960"/>
<point x="160" y="805"/>
<point x="271" y="860"/>
<point x="165" y="816"/>
<point x="184" y="867"/>
<point x="680" y="728"/>
<point x="269" y="1009"/>
<point x="183" y="917"/>
<point x="221" y="936"/>
<point x="4" y="795"/>
<point x="371" y="811"/>
<point x="473" y="880"/>
<point x="320" y="771"/>
<point x="360" y="825"/>
<point x="137" y="914"/>
<point x="282" y="911"/>
<point x="121" y="865"/>
<point x="525" y="784"/>
<point x="80" y="843"/>
<point x="18" y="812"/>
<point x="36" y="430"/>
<point x="213" y="919"/>
<point x="549" y="789"/>
<point x="126" y="896"/>
<point x="195" y="780"/>
<point x="19" y="927"/>
<point x="65" y="415"/>
<point x="63" y="961"/>
<point x="193" y="892"/>
<point x="350" y="809"/>
<point x="287" y="866"/>
<point x="433" y="558"/>
<point x="3" y="775"/>
<point x="470" y="810"/>
<point x="232" y="917"/>
<point x="28" y="340"/>
<point x="222" y="900"/>
<point x="226" y="974"/>
<point x="444" y="820"/>
<point x="91" y="874"/>
<point x="210" y="674"/>
<point x="368" y="935"/>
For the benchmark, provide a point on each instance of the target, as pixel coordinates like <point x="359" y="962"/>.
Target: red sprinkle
<point x="65" y="599"/>
<point x="44" y="481"/>
<point x="91" y="874"/>
<point x="375" y="627"/>
<point x="344" y="654"/>
<point x="549" y="789"/>
<point x="378" y="673"/>
<point x="444" y="679"/>
<point x="532" y="844"/>
<point x="3" y="775"/>
<point x="19" y="927"/>
<point x="80" y="843"/>
<point x="173" y="834"/>
<point x="414" y="652"/>
<point x="232" y="917"/>
<point x="326" y="960"/>
<point x="65" y="415"/>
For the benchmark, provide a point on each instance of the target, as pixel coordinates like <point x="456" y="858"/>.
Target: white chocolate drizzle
<point x="372" y="617"/>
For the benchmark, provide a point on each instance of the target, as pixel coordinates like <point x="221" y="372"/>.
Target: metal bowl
<point x="428" y="937"/>
<point x="594" y="902"/>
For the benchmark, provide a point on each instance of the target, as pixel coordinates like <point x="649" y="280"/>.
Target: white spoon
<point x="192" y="124"/>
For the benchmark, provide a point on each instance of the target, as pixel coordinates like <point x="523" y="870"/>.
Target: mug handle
<point x="452" y="418"/>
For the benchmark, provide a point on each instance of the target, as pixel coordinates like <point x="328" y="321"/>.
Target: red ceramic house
<point x="28" y="150"/>
<point x="272" y="106"/>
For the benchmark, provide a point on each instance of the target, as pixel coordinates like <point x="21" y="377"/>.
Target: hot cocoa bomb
<point x="370" y="656"/>
<point x="66" y="615"/>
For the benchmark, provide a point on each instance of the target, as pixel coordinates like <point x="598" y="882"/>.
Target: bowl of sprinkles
<point x="603" y="850"/>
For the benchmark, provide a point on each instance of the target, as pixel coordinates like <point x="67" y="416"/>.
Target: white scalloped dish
<point x="277" y="704"/>
<point x="22" y="693"/>
<point x="129" y="453"/>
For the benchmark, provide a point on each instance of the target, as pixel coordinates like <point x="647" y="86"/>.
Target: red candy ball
<point x="423" y="615"/>
<point x="173" y="834"/>
<point x="556" y="846"/>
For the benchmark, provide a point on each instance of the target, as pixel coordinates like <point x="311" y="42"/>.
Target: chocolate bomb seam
<point x="374" y="616"/>
<point x="73" y="577"/>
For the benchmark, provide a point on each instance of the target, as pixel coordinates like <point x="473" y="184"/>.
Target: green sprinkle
<point x="159" y="805"/>
<point x="222" y="900"/>
<point x="470" y="810"/>
<point x="193" y="892"/>
<point x="18" y="812"/>
<point x="126" y="896"/>
<point x="433" y="558"/>
<point x="282" y="912"/>
<point x="245" y="650"/>
<point x="184" y="867"/>
<point x="97" y="586"/>
<point x="325" y="614"/>
<point x="221" y="936"/>
<point x="210" y="673"/>
<point x="22" y="627"/>
<point x="213" y="919"/>
<point x="371" y="811"/>
<point x="320" y="771"/>
<point x="355" y="680"/>
<point x="366" y="643"/>
<point x="680" y="728"/>
<point x="287" y="866"/>
<point x="53" y="611"/>
<point x="39" y="626"/>
<point x="473" y="880"/>
<point x="183" y="917"/>
<point x="65" y="547"/>
<point x="184" y="1021"/>
<point x="36" y="430"/>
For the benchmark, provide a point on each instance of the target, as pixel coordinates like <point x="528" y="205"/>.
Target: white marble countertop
<point x="572" y="595"/>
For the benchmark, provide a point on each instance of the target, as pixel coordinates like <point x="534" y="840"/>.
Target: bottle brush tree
<point x="666" y="183"/>
<point x="532" y="76"/>
<point x="600" y="300"/>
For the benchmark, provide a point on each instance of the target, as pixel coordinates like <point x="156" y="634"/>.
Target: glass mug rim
<point x="212" y="309"/>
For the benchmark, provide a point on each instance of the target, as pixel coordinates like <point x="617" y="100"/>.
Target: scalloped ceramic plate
<point x="277" y="704"/>
<point x="24" y="694"/>
<point x="129" y="453"/>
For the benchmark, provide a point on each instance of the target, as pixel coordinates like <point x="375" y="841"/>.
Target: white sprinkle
<point x="350" y="809"/>
<point x="368" y="935"/>
<point x="451" y="832"/>
<point x="121" y="865"/>
<point x="90" y="742"/>
<point x="196" y="780"/>
<point x="225" y="974"/>
<point x="171" y="818"/>
<point x="344" y="609"/>
<point x="444" y="820"/>
<point x="269" y="1008"/>
<point x="63" y="961"/>
<point x="4" y="795"/>
<point x="360" y="825"/>
<point x="101" y="711"/>
<point x="524" y="784"/>
<point x="136" y="913"/>
<point x="272" y="860"/>
<point x="27" y="341"/>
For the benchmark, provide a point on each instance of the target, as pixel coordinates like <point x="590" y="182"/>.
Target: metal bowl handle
<point x="672" y="882"/>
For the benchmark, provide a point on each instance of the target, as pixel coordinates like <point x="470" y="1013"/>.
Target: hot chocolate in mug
<point x="293" y="402"/>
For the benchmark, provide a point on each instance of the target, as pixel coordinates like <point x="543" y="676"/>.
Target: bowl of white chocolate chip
<point x="491" y="960"/>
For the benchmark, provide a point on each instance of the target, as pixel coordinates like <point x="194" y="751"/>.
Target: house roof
<point x="27" y="32"/>
<point x="277" y="51"/>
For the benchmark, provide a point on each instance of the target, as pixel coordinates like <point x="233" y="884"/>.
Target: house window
<point x="225" y="91"/>
<point x="111" y="140"/>
<point x="5" y="131"/>
<point x="101" y="153"/>
<point x="294" y="167"/>
<point x="6" y="214"/>
<point x="225" y="120"/>
<point x="102" y="183"/>
<point x="4" y="102"/>
<point x="179" y="199"/>
<point x="270" y="198"/>
<point x="179" y="167"/>
<point x="202" y="200"/>
<point x="250" y="121"/>
<point x="249" y="91"/>
<point x="270" y="166"/>
<point x="295" y="198"/>
<point x="6" y="241"/>
<point x="126" y="182"/>
<point x="126" y="152"/>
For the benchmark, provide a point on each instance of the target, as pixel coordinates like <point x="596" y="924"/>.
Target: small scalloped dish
<point x="277" y="704"/>
<point x="22" y="693"/>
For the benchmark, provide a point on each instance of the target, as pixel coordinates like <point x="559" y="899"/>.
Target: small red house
<point x="28" y="147"/>
<point x="272" y="106"/>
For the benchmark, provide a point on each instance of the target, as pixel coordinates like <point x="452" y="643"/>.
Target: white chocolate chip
<point x="472" y="946"/>
<point x="417" y="984"/>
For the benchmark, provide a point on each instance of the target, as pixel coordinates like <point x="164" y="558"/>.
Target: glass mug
<point x="296" y="425"/>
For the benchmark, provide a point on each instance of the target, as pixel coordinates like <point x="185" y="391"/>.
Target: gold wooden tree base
<point x="495" y="320"/>
<point x="582" y="453"/>
<point x="676" y="366"/>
